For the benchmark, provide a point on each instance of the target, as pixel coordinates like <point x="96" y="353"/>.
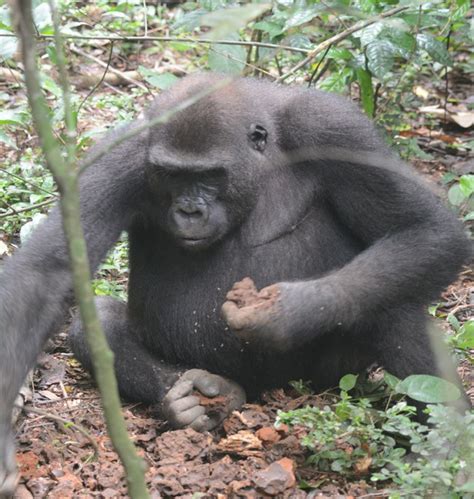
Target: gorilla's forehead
<point x="218" y="120"/>
<point x="216" y="157"/>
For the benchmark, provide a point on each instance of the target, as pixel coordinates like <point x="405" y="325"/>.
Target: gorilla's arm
<point x="414" y="248"/>
<point x="36" y="287"/>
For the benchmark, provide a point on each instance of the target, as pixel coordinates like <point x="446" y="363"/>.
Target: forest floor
<point x="248" y="457"/>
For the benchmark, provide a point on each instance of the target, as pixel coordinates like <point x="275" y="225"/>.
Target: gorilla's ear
<point x="258" y="136"/>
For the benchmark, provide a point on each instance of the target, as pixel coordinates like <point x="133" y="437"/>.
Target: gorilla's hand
<point x="8" y="472"/>
<point x="277" y="316"/>
<point x="256" y="316"/>
<point x="183" y="406"/>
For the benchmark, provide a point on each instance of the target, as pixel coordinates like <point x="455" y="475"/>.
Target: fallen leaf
<point x="362" y="465"/>
<point x="268" y="435"/>
<point x="464" y="119"/>
<point x="244" y="443"/>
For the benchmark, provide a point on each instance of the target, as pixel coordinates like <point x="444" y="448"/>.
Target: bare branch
<point x="195" y="41"/>
<point x="121" y="74"/>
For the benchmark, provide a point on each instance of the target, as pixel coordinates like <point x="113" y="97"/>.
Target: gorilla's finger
<point x="204" y="423"/>
<point x="186" y="418"/>
<point x="178" y="391"/>
<point x="239" y="318"/>
<point x="208" y="385"/>
<point x="184" y="404"/>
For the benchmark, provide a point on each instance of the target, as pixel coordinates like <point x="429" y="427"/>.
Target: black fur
<point x="304" y="193"/>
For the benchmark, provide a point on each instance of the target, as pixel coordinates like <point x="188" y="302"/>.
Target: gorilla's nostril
<point x="192" y="212"/>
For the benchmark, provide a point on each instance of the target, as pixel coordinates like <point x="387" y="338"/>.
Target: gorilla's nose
<point x="191" y="210"/>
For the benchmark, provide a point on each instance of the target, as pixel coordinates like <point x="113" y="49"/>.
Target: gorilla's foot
<point x="201" y="400"/>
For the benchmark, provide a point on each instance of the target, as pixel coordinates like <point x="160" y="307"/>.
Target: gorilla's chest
<point x="175" y="296"/>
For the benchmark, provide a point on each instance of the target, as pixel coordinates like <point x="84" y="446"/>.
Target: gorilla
<point x="254" y="186"/>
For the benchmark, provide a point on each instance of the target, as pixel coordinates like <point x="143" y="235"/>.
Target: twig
<point x="110" y="68"/>
<point x="145" y="12"/>
<point x="64" y="421"/>
<point x="28" y="208"/>
<point x="339" y="37"/>
<point x="317" y="67"/>
<point x="69" y="118"/>
<point x="197" y="41"/>
<point x="99" y="83"/>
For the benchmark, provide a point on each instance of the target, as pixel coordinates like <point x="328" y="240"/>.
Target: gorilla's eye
<point x="258" y="135"/>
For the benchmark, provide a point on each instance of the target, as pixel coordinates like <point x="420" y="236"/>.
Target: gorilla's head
<point x="207" y="162"/>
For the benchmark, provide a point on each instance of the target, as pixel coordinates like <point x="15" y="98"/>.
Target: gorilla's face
<point x="193" y="206"/>
<point x="205" y="172"/>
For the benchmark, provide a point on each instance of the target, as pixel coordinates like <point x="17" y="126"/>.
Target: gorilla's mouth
<point x="195" y="242"/>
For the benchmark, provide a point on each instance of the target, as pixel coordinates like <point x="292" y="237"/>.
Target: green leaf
<point x="161" y="81"/>
<point x="50" y="85"/>
<point x="53" y="56"/>
<point x="461" y="9"/>
<point x="469" y="217"/>
<point x="453" y="322"/>
<point x="337" y="81"/>
<point x="403" y="42"/>
<point x="348" y="382"/>
<point x="8" y="45"/>
<point x="380" y="57"/>
<point x="366" y="91"/>
<point x="369" y="34"/>
<point x="391" y="380"/>
<point x="42" y="16"/>
<point x="9" y="117"/>
<point x="273" y="29"/>
<point x="428" y="389"/>
<point x="465" y="338"/>
<point x="466" y="183"/>
<point x="228" y="59"/>
<point x="179" y="46"/>
<point x="455" y="195"/>
<point x="231" y="20"/>
<point x="467" y="487"/>
<point x="434" y="48"/>
<point x="299" y="40"/>
<point x="339" y="53"/>
<point x="303" y="16"/>
<point x="189" y="22"/>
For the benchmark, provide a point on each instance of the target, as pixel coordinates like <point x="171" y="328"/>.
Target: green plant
<point x="461" y="195"/>
<point x="413" y="460"/>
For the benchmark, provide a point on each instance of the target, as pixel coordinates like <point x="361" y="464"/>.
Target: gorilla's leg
<point x="140" y="376"/>
<point x="145" y="378"/>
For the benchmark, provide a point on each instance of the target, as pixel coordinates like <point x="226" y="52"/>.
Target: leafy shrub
<point x="356" y="439"/>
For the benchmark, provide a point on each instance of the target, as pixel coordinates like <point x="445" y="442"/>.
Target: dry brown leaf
<point x="244" y="443"/>
<point x="464" y="119"/>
